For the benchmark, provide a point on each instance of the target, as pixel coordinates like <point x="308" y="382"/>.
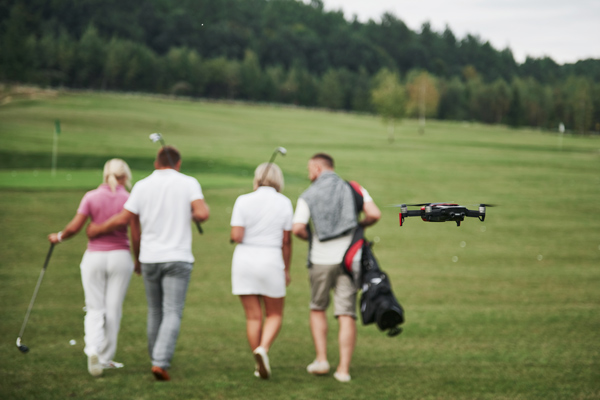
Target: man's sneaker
<point x="94" y="366"/>
<point x="342" y="377"/>
<point x="318" y="368"/>
<point x="262" y="360"/>
<point x="160" y="374"/>
<point x="112" y="365"/>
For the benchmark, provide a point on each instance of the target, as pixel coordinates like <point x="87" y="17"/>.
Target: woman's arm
<point x="286" y="249"/>
<point x="237" y="234"/>
<point x="71" y="229"/>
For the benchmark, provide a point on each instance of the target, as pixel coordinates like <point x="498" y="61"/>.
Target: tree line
<point x="289" y="51"/>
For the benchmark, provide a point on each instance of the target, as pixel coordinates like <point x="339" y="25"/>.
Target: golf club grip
<point x="48" y="255"/>
<point x="199" y="228"/>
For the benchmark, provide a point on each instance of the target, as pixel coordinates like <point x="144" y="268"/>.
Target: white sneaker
<point x="341" y="377"/>
<point x="318" y="368"/>
<point x="262" y="360"/>
<point x="112" y="365"/>
<point x="94" y="366"/>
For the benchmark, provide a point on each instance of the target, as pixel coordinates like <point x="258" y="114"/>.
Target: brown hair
<point x="324" y="158"/>
<point x="168" y="156"/>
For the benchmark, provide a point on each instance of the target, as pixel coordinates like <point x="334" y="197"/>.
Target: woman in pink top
<point x="106" y="266"/>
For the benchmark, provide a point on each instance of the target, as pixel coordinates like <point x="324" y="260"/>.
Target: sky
<point x="565" y="30"/>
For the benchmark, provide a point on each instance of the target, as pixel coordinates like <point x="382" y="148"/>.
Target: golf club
<point x="283" y="152"/>
<point x="22" y="348"/>
<point x="157" y="137"/>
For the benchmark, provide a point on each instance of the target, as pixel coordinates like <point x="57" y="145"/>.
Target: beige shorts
<point x="323" y="278"/>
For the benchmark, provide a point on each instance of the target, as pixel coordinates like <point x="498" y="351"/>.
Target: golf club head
<point x="282" y="150"/>
<point x="22" y="348"/>
<point x="155" y="137"/>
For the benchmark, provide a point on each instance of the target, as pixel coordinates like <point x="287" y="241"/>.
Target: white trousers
<point x="105" y="276"/>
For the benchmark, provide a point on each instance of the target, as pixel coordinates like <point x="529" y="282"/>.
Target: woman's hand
<point x="288" y="278"/>
<point x="54" y="238"/>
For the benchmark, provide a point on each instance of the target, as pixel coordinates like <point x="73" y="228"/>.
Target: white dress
<point x="257" y="266"/>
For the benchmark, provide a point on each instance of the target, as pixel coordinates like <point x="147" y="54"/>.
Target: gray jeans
<point x="166" y="286"/>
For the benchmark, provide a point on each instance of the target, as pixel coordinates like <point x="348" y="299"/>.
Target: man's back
<point x="163" y="203"/>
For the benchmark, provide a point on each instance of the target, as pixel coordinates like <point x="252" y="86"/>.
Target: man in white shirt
<point x="164" y="203"/>
<point x="329" y="203"/>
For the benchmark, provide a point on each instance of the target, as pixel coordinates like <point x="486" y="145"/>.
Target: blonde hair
<point x="116" y="169"/>
<point x="273" y="178"/>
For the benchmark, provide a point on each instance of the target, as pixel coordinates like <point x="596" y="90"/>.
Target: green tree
<point x="118" y="54"/>
<point x="217" y="80"/>
<point x="389" y="99"/>
<point x="91" y="55"/>
<point x="500" y="100"/>
<point x="251" y="76"/>
<point x="580" y="103"/>
<point x="330" y="92"/>
<point x="360" y="99"/>
<point x="15" y="53"/>
<point x="423" y="96"/>
<point x="453" y="101"/>
<point x="300" y="87"/>
<point x="66" y="57"/>
<point x="515" y="115"/>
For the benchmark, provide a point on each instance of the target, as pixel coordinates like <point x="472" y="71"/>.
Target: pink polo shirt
<point x="101" y="204"/>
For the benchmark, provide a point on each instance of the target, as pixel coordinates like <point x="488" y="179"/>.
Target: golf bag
<point x="377" y="301"/>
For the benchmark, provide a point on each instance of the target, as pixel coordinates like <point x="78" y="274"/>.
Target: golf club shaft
<point x="268" y="166"/>
<point x="37" y="287"/>
<point x="171" y="163"/>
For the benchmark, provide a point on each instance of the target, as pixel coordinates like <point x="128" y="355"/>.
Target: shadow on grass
<point x="12" y="160"/>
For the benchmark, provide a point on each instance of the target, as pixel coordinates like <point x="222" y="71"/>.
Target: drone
<point x="441" y="212"/>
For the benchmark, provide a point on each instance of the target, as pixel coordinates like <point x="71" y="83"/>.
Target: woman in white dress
<point x="261" y="224"/>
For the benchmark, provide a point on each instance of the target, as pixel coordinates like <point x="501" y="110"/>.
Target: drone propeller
<point x="409" y="205"/>
<point x="425" y="204"/>
<point x="485" y="205"/>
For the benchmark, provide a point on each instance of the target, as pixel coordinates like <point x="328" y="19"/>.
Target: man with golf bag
<point x="329" y="203"/>
<point x="163" y="203"/>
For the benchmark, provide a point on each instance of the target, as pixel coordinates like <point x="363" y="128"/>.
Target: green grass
<point x="505" y="309"/>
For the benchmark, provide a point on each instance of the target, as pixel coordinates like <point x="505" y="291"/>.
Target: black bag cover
<point x="377" y="301"/>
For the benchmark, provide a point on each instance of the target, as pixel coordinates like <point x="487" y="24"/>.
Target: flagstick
<point x="55" y="146"/>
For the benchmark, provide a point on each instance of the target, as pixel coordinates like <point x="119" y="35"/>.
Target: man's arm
<point x="300" y="231"/>
<point x="200" y="210"/>
<point x="372" y="214"/>
<point x="301" y="219"/>
<point x="115" y="222"/>
<point x="136" y="234"/>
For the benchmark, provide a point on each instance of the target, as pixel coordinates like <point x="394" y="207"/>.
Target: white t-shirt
<point x="264" y="214"/>
<point x="331" y="251"/>
<point x="163" y="203"/>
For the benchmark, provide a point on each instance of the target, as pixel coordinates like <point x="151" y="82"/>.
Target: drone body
<point x="441" y="212"/>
